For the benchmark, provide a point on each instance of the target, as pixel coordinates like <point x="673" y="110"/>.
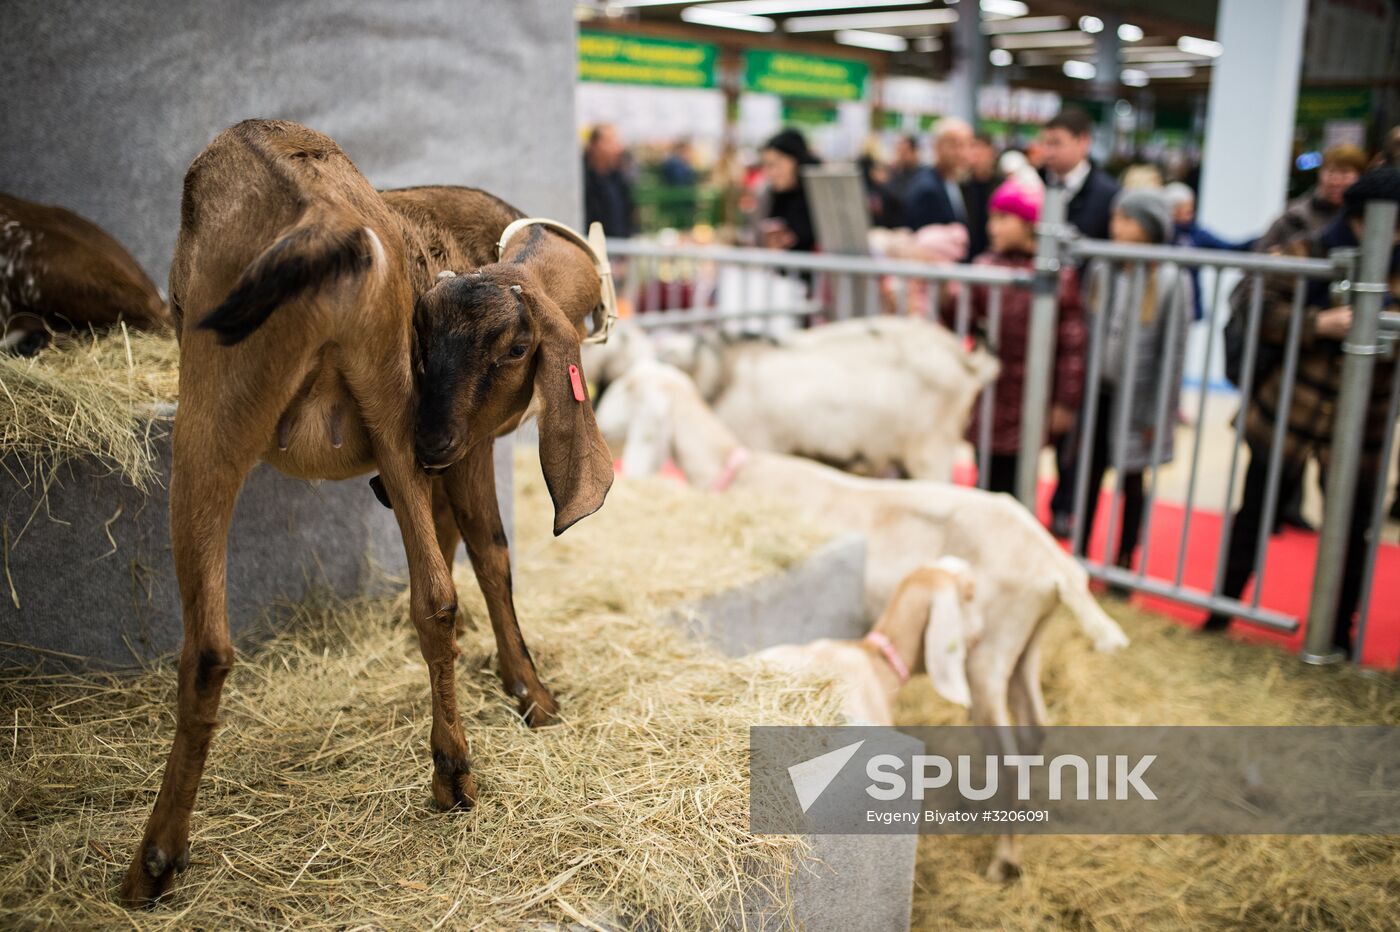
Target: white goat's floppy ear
<point x="945" y="644"/>
<point x="446" y="273"/>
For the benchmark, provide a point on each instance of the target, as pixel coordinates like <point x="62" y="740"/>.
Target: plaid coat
<point x="1313" y="407"/>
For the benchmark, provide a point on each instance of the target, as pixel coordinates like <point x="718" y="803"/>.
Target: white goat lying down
<point x="926" y="628"/>
<point x="1021" y="573"/>
<point x="881" y="393"/>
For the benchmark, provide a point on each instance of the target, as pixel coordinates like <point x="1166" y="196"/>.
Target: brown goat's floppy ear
<point x="573" y="455"/>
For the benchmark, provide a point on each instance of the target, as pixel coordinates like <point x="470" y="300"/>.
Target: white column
<point x="1249" y="126"/>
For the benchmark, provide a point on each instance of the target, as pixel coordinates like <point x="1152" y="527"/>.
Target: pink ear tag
<point x="577" y="381"/>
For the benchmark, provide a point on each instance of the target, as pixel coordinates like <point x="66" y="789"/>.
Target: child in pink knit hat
<point x="1012" y="213"/>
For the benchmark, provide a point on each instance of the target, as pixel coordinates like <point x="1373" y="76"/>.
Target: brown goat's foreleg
<point x="203" y="486"/>
<point x="471" y="484"/>
<point x="448" y="538"/>
<point x="433" y="606"/>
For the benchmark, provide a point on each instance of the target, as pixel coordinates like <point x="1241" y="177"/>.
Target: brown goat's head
<point x="488" y="345"/>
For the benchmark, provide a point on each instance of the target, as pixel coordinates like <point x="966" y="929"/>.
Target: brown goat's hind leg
<point x="203" y="487"/>
<point x="433" y="605"/>
<point x="471" y="484"/>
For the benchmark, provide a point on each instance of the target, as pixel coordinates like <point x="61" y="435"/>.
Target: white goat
<point x="926" y="628"/>
<point x="885" y="394"/>
<point x="1022" y="575"/>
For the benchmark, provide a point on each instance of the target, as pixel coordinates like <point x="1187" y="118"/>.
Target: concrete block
<point x="821" y="597"/>
<point x="95" y="580"/>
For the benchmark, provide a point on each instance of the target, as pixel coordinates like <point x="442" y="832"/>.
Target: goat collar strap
<point x="596" y="245"/>
<point x="885" y="646"/>
<point x="737" y="458"/>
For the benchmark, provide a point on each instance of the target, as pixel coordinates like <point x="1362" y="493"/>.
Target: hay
<point x="315" y="810"/>
<point x="1172" y="676"/>
<point x="86" y="397"/>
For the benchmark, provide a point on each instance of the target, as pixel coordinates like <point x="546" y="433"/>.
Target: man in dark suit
<point x="1065" y="141"/>
<point x="982" y="180"/>
<point x="935" y="195"/>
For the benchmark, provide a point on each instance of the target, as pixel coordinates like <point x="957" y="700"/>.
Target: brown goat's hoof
<point x="151" y="873"/>
<point x="539" y="710"/>
<point x="453" y="785"/>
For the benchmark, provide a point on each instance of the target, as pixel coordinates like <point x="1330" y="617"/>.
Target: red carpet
<point x="1289" y="565"/>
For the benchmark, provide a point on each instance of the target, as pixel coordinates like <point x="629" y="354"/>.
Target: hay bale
<point x="87" y="397"/>
<point x="1172" y="676"/>
<point x="315" y="812"/>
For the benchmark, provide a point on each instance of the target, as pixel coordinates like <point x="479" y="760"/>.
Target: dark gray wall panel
<point x="106" y="103"/>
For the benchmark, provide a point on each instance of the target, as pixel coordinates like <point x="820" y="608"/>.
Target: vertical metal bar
<point x="963" y="320"/>
<point x="988" y="409"/>
<point x="1079" y="539"/>
<point x="901" y="296"/>
<point x="1285" y="403"/>
<point x="632" y="277"/>
<point x="654" y="285"/>
<point x="845" y="291"/>
<point x="1377" y="521"/>
<point x="745" y="287"/>
<point x="1160" y="427"/>
<point x="1349" y="428"/>
<point x="1123" y="406"/>
<point x="769" y="301"/>
<point x="1040" y="344"/>
<point x="1211" y="340"/>
<point x="1251" y="347"/>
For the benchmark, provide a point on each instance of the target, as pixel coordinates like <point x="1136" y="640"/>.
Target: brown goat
<point x="319" y="332"/>
<point x="59" y="271"/>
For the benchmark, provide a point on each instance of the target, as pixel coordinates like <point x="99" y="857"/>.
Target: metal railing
<point x="752" y="289"/>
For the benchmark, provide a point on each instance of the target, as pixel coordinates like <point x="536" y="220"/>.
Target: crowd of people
<point x="996" y="198"/>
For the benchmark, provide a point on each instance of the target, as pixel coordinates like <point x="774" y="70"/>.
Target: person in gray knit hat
<point x="1149" y="209"/>
<point x="1144" y="348"/>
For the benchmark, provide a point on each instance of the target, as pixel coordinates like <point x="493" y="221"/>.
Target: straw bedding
<point x="86" y="397"/>
<point x="1173" y="676"/>
<point x="315" y="811"/>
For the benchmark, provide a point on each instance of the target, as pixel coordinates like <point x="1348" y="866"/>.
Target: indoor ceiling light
<point x="1130" y="33"/>
<point x="1079" y="70"/>
<point x="1042" y="40"/>
<point x="785" y="7"/>
<point x="1168" y="70"/>
<point x="704" y="16"/>
<point x="1005" y="7"/>
<point x="889" y="20"/>
<point x="1090" y="24"/>
<point x="628" y="3"/>
<point x="1200" y="46"/>
<point x="1133" y="77"/>
<point x="997" y="27"/>
<point x="1000" y="57"/>
<point x="1144" y="53"/>
<point x="882" y="41"/>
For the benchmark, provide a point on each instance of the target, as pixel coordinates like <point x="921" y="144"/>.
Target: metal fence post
<point x="1040" y="343"/>
<point x="1348" y="430"/>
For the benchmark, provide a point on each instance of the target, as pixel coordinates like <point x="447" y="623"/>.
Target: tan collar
<point x="597" y="248"/>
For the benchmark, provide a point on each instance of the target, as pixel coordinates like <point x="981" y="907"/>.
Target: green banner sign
<point x="1341" y="103"/>
<point x="621" y="59"/>
<point x="808" y="113"/>
<point x="806" y="76"/>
